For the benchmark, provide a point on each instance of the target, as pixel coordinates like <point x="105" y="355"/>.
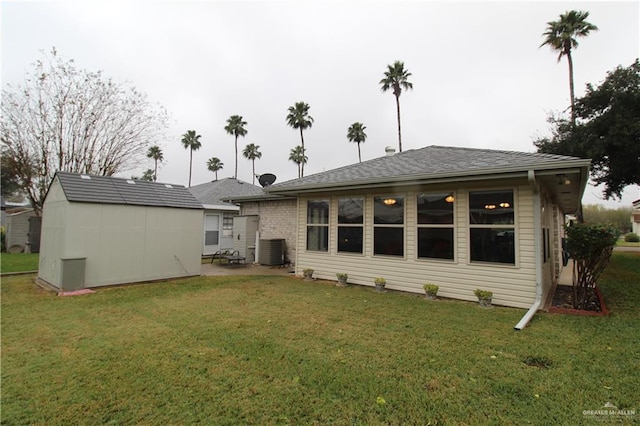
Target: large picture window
<point x="318" y="225"/>
<point x="492" y="226"/>
<point x="388" y="225"/>
<point x="435" y="225"/>
<point x="350" y="224"/>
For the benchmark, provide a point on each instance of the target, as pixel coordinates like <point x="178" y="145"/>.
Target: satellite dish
<point x="267" y="179"/>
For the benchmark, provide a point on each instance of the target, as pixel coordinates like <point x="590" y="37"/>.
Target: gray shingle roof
<point x="428" y="163"/>
<point x="111" y="190"/>
<point x="213" y="193"/>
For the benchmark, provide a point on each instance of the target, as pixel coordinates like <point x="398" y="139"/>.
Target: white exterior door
<point x="211" y="233"/>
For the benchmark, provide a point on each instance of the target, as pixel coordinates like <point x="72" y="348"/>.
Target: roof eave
<point x="471" y="175"/>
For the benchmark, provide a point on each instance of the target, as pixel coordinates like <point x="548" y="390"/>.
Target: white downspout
<point x="537" y="226"/>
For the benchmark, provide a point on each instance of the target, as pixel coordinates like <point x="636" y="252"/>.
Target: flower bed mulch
<point x="563" y="302"/>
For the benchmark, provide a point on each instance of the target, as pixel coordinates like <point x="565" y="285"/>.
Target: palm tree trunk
<point x="253" y="169"/>
<point x="359" y="158"/>
<point x="399" y="132"/>
<point x="571" y="90"/>
<point x="235" y="175"/>
<point x="190" y="163"/>
<point x="302" y="140"/>
<point x="155" y="170"/>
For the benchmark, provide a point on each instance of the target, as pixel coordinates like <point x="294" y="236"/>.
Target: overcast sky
<point x="480" y="79"/>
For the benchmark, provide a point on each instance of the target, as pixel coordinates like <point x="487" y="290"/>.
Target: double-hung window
<point x="388" y="225"/>
<point x="492" y="226"/>
<point x="318" y="225"/>
<point x="350" y="224"/>
<point x="435" y="225"/>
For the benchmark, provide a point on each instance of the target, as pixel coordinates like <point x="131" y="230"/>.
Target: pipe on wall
<point x="537" y="226"/>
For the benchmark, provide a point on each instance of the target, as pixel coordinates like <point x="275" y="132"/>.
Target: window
<point x="227" y="224"/>
<point x="388" y="225"/>
<point x="350" y="224"/>
<point x="492" y="223"/>
<point x="435" y="225"/>
<point x="318" y="225"/>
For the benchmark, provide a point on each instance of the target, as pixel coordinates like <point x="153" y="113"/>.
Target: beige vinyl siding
<point x="52" y="239"/>
<point x="512" y="285"/>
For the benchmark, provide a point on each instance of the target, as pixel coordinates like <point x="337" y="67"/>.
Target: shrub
<point x="590" y="247"/>
<point x="380" y="281"/>
<point x="483" y="294"/>
<point x="632" y="237"/>
<point x="430" y="289"/>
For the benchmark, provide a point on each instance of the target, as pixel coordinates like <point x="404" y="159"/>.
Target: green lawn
<point x="278" y="350"/>
<point x="18" y="262"/>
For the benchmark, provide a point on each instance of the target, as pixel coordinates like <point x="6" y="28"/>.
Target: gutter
<point x="537" y="225"/>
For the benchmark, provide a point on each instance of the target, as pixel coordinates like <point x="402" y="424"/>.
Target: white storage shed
<point x="99" y="231"/>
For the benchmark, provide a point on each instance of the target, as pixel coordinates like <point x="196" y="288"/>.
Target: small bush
<point x="430" y="289"/>
<point x="483" y="294"/>
<point x="380" y="281"/>
<point x="632" y="237"/>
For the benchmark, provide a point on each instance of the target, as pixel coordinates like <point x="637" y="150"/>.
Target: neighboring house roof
<point x="434" y="164"/>
<point x="219" y="192"/>
<point x="111" y="190"/>
<point x="636" y="204"/>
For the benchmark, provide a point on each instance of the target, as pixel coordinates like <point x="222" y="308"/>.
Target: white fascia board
<point x="221" y="207"/>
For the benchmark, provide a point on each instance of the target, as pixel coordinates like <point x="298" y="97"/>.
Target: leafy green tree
<point x="607" y="131"/>
<point x="251" y="153"/>
<point x="10" y="184"/>
<point x="396" y="78"/>
<point x="356" y="134"/>
<point x="235" y="126"/>
<point x="561" y="36"/>
<point x="191" y="141"/>
<point x="214" y="164"/>
<point x="148" y="176"/>
<point x="156" y="154"/>
<point x="299" y="118"/>
<point x="620" y="217"/>
<point x="297" y="156"/>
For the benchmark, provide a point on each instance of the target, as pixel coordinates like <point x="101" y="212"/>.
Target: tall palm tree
<point x="396" y="78"/>
<point x="299" y="118"/>
<point x="156" y="153"/>
<point x="561" y="36"/>
<point x="356" y="134"/>
<point x="251" y="153"/>
<point x="191" y="141"/>
<point x="235" y="126"/>
<point x="297" y="156"/>
<point x="214" y="164"/>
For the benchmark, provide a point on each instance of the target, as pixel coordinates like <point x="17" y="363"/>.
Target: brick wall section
<point x="277" y="220"/>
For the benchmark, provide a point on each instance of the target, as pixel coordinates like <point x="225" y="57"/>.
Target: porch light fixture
<point x="563" y="179"/>
<point x="490" y="206"/>
<point x="389" y="201"/>
<point x="450" y="198"/>
<point x="505" y="205"/>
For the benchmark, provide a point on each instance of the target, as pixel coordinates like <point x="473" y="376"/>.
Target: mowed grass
<point x="278" y="350"/>
<point x="18" y="262"/>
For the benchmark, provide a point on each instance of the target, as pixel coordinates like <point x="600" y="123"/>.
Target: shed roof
<point x="429" y="163"/>
<point x="112" y="190"/>
<point x="219" y="192"/>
